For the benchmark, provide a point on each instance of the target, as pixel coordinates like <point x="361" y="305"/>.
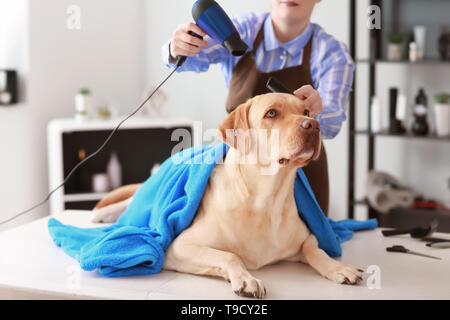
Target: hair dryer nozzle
<point x="215" y="22"/>
<point x="235" y="45"/>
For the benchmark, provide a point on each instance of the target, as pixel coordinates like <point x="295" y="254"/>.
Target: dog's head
<point x="276" y="126"/>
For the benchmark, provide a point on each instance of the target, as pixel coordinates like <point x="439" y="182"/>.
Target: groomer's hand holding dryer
<point x="184" y="44"/>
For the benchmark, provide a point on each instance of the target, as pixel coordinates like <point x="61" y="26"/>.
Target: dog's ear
<point x="235" y="129"/>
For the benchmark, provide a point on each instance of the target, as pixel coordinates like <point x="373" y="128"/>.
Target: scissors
<point x="439" y="244"/>
<point x="398" y="248"/>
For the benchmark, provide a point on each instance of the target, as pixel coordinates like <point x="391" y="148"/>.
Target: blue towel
<point x="164" y="206"/>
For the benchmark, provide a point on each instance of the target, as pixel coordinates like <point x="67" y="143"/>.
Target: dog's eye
<point x="271" y="113"/>
<point x="306" y="113"/>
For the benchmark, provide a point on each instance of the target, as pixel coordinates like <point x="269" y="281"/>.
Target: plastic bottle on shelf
<point x="114" y="170"/>
<point x="400" y="112"/>
<point x="412" y="52"/>
<point x="82" y="104"/>
<point x="420" y="125"/>
<point x="375" y="115"/>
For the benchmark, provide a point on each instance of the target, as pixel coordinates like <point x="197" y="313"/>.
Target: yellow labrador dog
<point x="248" y="217"/>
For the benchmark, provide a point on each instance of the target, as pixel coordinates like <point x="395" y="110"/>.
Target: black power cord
<point x="180" y="60"/>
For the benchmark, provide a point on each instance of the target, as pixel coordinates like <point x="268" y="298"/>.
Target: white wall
<point x="106" y="55"/>
<point x="14" y="45"/>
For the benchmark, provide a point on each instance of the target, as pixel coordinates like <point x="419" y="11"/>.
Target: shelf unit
<point x="140" y="143"/>
<point x="376" y="58"/>
<point x="408" y="135"/>
<point x="416" y="63"/>
<point x="81" y="197"/>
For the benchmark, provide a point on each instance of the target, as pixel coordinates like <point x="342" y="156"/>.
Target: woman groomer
<point x="286" y="45"/>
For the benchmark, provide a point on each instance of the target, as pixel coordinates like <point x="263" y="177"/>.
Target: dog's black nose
<point x="309" y="124"/>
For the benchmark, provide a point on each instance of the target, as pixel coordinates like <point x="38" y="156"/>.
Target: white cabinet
<point x="140" y="143"/>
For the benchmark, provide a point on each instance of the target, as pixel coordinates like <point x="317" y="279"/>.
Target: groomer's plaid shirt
<point x="331" y="64"/>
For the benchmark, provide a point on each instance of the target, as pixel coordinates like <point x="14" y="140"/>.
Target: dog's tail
<point x="118" y="195"/>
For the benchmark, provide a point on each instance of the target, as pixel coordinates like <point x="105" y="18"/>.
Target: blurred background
<point x="113" y="57"/>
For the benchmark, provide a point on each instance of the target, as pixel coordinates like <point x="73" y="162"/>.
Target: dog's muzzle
<point x="310" y="140"/>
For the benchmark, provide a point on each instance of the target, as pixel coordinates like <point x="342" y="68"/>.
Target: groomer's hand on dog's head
<point x="274" y="124"/>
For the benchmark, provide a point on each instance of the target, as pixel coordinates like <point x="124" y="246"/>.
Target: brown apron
<point x="247" y="81"/>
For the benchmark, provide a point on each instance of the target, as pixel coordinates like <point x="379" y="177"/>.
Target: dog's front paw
<point x="345" y="274"/>
<point x="248" y="286"/>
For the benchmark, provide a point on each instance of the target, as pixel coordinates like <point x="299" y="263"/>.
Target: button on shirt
<point x="331" y="64"/>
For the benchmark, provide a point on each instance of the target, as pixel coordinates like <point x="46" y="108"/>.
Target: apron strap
<point x="258" y="39"/>
<point x="307" y="53"/>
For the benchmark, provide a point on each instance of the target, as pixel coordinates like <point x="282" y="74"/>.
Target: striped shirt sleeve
<point x="333" y="78"/>
<point x="215" y="52"/>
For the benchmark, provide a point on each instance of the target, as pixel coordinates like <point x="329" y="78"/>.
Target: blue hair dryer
<point x="210" y="16"/>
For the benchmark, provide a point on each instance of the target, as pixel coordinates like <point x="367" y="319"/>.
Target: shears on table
<point x="397" y="248"/>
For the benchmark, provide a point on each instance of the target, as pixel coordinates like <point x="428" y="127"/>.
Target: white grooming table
<point x="32" y="266"/>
